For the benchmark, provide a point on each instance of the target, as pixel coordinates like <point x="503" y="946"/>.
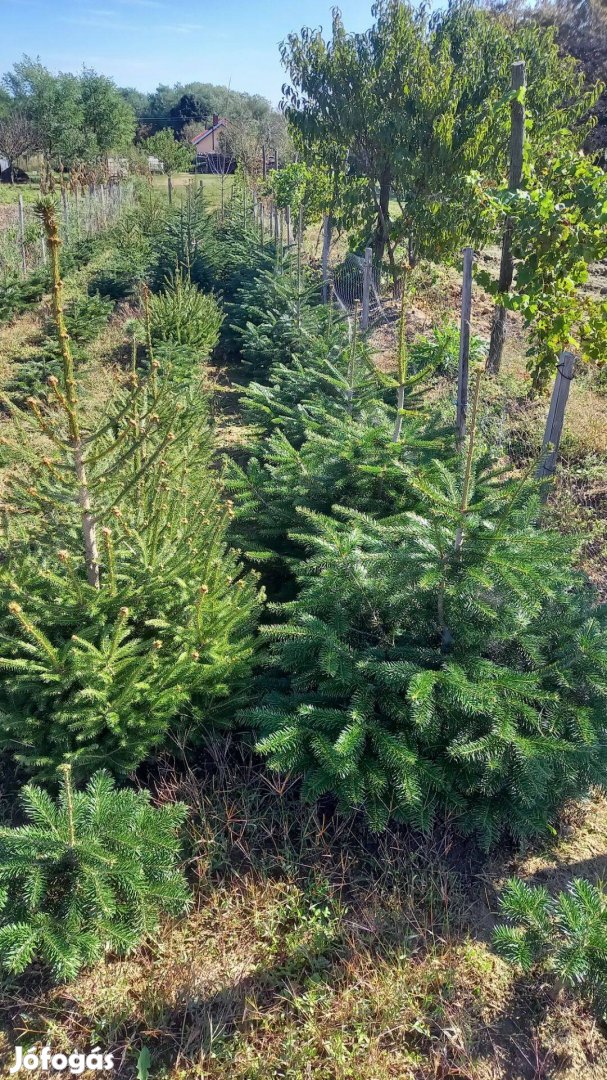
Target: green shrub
<point x="440" y="350"/>
<point x="187" y="243"/>
<point x="96" y="674"/>
<point x="305" y="392"/>
<point x="351" y="460"/>
<point x="18" y="295"/>
<point x="30" y="377"/>
<point x="114" y="285"/>
<point x="182" y="315"/>
<point x="85" y="318"/>
<point x="88" y="874"/>
<point x="564" y="936"/>
<point x="273" y="317"/>
<point x="330" y="437"/>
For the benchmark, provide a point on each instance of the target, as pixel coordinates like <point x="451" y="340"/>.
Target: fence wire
<point x="347" y="281"/>
<point x="82" y="214"/>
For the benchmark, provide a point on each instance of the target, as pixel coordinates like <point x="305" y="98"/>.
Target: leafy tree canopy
<point x="581" y="31"/>
<point x="413" y="103"/>
<point x="175" y="156"/>
<point x="77" y="116"/>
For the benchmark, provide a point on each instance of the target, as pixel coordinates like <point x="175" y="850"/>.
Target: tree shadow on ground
<point x="301" y="913"/>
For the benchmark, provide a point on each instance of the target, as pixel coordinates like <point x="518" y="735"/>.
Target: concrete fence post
<point x="556" y="416"/>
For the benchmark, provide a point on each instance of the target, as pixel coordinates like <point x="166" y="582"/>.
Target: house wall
<point x="211" y="143"/>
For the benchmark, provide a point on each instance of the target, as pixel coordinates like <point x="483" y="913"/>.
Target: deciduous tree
<point x="18" y="136"/>
<point x="412" y="105"/>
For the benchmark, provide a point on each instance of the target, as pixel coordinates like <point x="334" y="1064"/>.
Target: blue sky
<point x="143" y="42"/>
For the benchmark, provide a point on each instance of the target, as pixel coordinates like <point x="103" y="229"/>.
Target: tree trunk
<point x="517" y="140"/>
<point x="69" y="400"/>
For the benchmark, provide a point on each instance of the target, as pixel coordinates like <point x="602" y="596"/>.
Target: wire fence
<point x="357" y="281"/>
<point x="83" y="214"/>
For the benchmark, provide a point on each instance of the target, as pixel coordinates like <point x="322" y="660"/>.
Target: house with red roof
<point x="213" y="152"/>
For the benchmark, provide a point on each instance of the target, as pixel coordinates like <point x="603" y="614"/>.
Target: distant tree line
<point x="66" y="118"/>
<point x="70" y="119"/>
<point x="187" y="108"/>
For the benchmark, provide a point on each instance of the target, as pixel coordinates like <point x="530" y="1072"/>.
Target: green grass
<point x="9" y="193"/>
<point x="211" y="186"/>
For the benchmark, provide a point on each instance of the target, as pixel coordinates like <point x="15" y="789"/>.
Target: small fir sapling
<point x="562" y="936"/>
<point x="187" y="244"/>
<point x="88" y="874"/>
<point x="85" y="317"/>
<point x="339" y="443"/>
<point x="183" y="315"/>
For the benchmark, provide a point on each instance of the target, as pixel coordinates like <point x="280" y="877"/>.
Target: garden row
<point x="427" y="648"/>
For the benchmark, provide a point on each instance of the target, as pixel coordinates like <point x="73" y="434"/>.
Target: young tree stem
<point x="75" y="441"/>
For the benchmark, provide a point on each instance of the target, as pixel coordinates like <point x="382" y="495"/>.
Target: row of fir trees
<point x="428" y="647"/>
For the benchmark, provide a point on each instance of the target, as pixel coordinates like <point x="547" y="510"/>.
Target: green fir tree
<point x="86" y="875"/>
<point x="126" y="614"/>
<point x="445" y="658"/>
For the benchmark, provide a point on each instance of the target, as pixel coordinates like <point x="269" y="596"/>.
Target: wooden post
<point x="517" y="141"/>
<point x="288" y="224"/>
<point x="464" y="346"/>
<point x="263" y="162"/>
<point x="299" y="266"/>
<point x="65" y="212"/>
<point x="299" y="248"/>
<point x="326" y="247"/>
<point x="170" y="188"/>
<point x="276" y="225"/>
<point x="261" y="224"/>
<point x="556" y="416"/>
<point x="22" y="237"/>
<point x="77" y="211"/>
<point x="367" y="271"/>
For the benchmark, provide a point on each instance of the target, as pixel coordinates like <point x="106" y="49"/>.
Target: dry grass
<point x="318" y="950"/>
<point x="211" y="186"/>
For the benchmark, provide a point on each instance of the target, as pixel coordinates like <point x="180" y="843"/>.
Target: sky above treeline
<point x="145" y="42"/>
